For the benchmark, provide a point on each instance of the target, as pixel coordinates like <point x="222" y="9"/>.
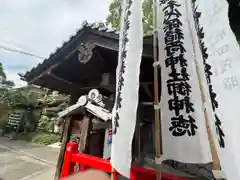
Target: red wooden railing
<point x="72" y="157"/>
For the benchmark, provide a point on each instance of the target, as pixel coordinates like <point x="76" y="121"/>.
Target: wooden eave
<point x="96" y="34"/>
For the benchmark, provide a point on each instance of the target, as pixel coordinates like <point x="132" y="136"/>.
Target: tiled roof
<point x="101" y="27"/>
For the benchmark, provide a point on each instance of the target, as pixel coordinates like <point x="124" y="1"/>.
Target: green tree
<point x="113" y="19"/>
<point x="23" y="99"/>
<point x="39" y="106"/>
<point x="3" y="75"/>
<point x="52" y="104"/>
<point x="147" y="15"/>
<point x="8" y="83"/>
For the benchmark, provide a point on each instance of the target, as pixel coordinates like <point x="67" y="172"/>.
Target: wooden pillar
<point x="73" y="99"/>
<point x="96" y="144"/>
<point x="65" y="138"/>
<point x="61" y="130"/>
<point x="85" y="128"/>
<point x="85" y="132"/>
<point x="66" y="134"/>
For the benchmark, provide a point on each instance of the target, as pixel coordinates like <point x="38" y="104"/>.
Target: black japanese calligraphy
<point x="172" y="61"/>
<point x="173" y="24"/>
<point x="182" y="88"/>
<point x="213" y="97"/>
<point x="188" y="104"/>
<point x="208" y="73"/>
<point x="181" y="126"/>
<point x="179" y="89"/>
<point x="162" y="1"/>
<point x="123" y="55"/>
<point x="220" y="132"/>
<point x="176" y="104"/>
<point x="171" y="10"/>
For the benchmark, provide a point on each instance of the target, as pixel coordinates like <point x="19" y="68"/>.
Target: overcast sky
<point x="39" y="26"/>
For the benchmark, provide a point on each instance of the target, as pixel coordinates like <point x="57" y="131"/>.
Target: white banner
<point x="184" y="135"/>
<point x="221" y="60"/>
<point x="128" y="71"/>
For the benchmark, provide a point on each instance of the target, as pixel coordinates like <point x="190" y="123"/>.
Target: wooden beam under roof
<point x="32" y="81"/>
<point x="114" y="45"/>
<point x="53" y="82"/>
<point x="84" y="48"/>
<point x="80" y="87"/>
<point x="91" y="42"/>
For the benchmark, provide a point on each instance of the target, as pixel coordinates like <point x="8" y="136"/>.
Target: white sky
<point x="39" y="26"/>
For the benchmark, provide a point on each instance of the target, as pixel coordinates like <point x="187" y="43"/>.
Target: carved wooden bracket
<point x="85" y="52"/>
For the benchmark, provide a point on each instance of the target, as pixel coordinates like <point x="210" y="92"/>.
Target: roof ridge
<point x="97" y="26"/>
<point x="100" y="26"/>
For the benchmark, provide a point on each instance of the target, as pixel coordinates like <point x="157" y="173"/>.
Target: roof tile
<point x="96" y="26"/>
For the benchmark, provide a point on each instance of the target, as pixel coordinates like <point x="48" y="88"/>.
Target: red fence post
<point x="68" y="164"/>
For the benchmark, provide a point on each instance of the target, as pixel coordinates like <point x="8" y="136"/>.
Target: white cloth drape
<point x="221" y="53"/>
<point x="184" y="135"/>
<point x="128" y="71"/>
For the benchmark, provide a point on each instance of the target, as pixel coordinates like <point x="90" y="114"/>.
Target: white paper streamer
<point x="223" y="57"/>
<point x="128" y="70"/>
<point x="184" y="140"/>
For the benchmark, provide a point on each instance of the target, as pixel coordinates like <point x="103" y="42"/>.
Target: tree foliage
<point x="52" y="104"/>
<point x="24" y="100"/>
<point x="3" y="76"/>
<point x="8" y="83"/>
<point x="19" y="97"/>
<point x="39" y="107"/>
<point x="147" y="15"/>
<point x="2" y="73"/>
<point x="113" y="19"/>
